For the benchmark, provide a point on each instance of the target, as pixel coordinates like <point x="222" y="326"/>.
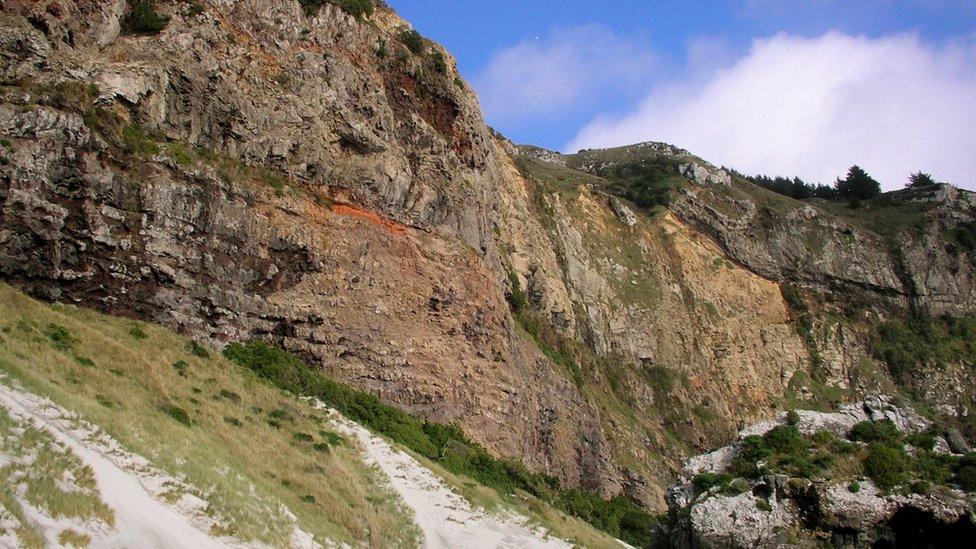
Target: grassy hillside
<point x="239" y="431"/>
<point x="249" y="447"/>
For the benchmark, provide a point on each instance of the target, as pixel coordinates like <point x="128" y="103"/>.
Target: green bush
<point x="887" y="466"/>
<point x="792" y="418"/>
<point x="230" y="395"/>
<point x="516" y="297"/>
<point x="197" y="350"/>
<point x="413" y="40"/>
<point x="137" y="332"/>
<point x="440" y="64"/>
<point x="854" y="487"/>
<point x="445" y="444"/>
<point x="876" y="431"/>
<point x="60" y="337"/>
<point x="966" y="478"/>
<point x="704" y="482"/>
<point x="753" y="450"/>
<point x="143" y="19"/>
<point x="136" y="141"/>
<point x="180" y="366"/>
<point x="176" y="413"/>
<point x="647" y="184"/>
<point x="785" y="439"/>
<point x="359" y="8"/>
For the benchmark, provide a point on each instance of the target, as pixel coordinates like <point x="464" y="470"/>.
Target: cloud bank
<point x="563" y="73"/>
<point x="812" y="107"/>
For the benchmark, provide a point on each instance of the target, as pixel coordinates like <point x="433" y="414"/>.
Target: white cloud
<point x="568" y="69"/>
<point x="812" y="107"/>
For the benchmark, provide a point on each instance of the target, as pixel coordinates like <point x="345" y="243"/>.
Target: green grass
<point x="447" y="445"/>
<point x="244" y="482"/>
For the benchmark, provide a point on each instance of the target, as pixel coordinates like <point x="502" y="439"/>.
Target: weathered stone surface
<point x="372" y="254"/>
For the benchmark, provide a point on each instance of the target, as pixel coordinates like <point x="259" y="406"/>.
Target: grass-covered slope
<point x="251" y="448"/>
<point x="238" y="429"/>
<point x="446" y="445"/>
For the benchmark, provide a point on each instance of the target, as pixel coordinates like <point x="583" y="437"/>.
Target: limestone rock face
<point x="254" y="172"/>
<point x="840" y="261"/>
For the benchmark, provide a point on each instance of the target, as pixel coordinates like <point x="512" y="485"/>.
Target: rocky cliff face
<point x="254" y="172"/>
<point x="327" y="182"/>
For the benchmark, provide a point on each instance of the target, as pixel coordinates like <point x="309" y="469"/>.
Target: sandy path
<point x="446" y="519"/>
<point x="140" y="519"/>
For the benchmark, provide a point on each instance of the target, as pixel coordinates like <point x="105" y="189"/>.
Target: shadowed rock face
<point x="256" y="172"/>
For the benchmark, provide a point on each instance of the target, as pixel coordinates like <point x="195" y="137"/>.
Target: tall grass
<point x="247" y="468"/>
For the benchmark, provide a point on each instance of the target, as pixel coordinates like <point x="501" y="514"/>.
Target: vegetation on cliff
<point x="876" y="450"/>
<point x="446" y="445"/>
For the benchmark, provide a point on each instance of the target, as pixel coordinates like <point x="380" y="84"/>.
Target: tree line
<point x="857" y="186"/>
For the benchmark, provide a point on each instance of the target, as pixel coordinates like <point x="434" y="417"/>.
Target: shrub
<point x="302" y="437"/>
<point x="876" y="431"/>
<point x="966" y="478"/>
<point x="143" y="19"/>
<point x="137" y="332"/>
<point x="753" y="450"/>
<point x="924" y="440"/>
<point x="704" y="482"/>
<point x="516" y="297"/>
<point x="136" y="141"/>
<point x="232" y="421"/>
<point x="180" y="366"/>
<point x="358" y="8"/>
<point x="60" y="337"/>
<point x="785" y="439"/>
<point x="886" y="465"/>
<point x="176" y="413"/>
<point x="194" y="7"/>
<point x="197" y="350"/>
<point x="230" y="395"/>
<point x="413" y="40"/>
<point x="280" y="415"/>
<point x="792" y="418"/>
<point x="440" y="64"/>
<point x="854" y="487"/>
<point x="905" y="345"/>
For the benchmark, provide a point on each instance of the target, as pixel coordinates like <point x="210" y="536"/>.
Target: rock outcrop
<point x="776" y="510"/>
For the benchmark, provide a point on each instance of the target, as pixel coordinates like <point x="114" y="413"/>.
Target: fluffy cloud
<point x="568" y="71"/>
<point x="814" y="106"/>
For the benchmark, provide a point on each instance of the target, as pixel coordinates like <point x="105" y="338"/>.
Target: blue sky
<point x="577" y="73"/>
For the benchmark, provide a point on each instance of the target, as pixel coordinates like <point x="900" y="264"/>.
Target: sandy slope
<point x="446" y="519"/>
<point x="127" y="483"/>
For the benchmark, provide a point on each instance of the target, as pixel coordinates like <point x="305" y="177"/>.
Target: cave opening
<point x="915" y="528"/>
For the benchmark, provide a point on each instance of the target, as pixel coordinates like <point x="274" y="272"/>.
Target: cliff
<point x="326" y="181"/>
